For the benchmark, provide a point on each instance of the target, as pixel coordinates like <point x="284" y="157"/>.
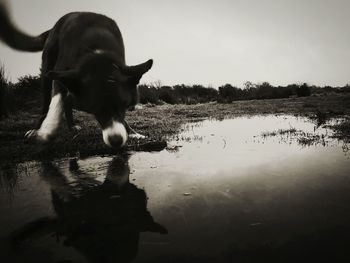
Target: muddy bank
<point x="157" y="123"/>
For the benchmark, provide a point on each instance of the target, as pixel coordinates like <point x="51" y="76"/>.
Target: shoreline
<point x="158" y="123"/>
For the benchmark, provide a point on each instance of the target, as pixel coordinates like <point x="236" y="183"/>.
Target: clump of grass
<point x="301" y="137"/>
<point x="279" y="132"/>
<point x="342" y="129"/>
<point x="321" y="117"/>
<point x="311" y="139"/>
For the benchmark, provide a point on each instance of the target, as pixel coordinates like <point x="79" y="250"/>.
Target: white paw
<point x="37" y="136"/>
<point x="31" y="134"/>
<point x="137" y="136"/>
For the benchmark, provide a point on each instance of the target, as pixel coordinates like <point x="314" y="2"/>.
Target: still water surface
<point x="220" y="192"/>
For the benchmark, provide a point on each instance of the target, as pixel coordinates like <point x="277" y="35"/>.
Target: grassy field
<point x="158" y="123"/>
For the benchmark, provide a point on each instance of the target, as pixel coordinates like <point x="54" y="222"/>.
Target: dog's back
<point x="80" y="33"/>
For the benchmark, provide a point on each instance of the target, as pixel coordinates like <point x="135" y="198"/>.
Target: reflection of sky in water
<point x="212" y="147"/>
<point x="223" y="179"/>
<point x="226" y="179"/>
<point x="219" y="151"/>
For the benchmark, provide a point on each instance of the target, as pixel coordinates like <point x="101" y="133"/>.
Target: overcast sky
<point x="211" y="42"/>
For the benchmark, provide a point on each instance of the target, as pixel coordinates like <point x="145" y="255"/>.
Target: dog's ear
<point x="137" y="70"/>
<point x="64" y="75"/>
<point x="134" y="73"/>
<point x="134" y="80"/>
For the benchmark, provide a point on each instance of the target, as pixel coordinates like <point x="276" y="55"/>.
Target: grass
<point x="301" y="137"/>
<point x="279" y="132"/>
<point x="157" y="123"/>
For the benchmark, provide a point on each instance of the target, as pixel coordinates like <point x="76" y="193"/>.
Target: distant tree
<point x="249" y="85"/>
<point x="303" y="90"/>
<point x="3" y="93"/>
<point x="26" y="93"/>
<point x="264" y="91"/>
<point x="328" y="88"/>
<point x="148" y="94"/>
<point x="201" y="94"/>
<point x="27" y="87"/>
<point x="346" y="88"/>
<point x="285" y="91"/>
<point x="229" y="93"/>
<point x="167" y="94"/>
<point x="156" y="84"/>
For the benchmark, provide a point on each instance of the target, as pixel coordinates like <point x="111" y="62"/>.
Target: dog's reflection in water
<point x="103" y="221"/>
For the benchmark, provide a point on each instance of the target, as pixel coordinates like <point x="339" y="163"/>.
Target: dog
<point x="83" y="67"/>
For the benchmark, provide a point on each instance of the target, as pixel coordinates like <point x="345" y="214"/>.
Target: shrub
<point x="303" y="90"/>
<point x="4" y="92"/>
<point x="228" y="93"/>
<point x="177" y="94"/>
<point x="26" y="92"/>
<point x="148" y="94"/>
<point x="168" y="95"/>
<point x="27" y="88"/>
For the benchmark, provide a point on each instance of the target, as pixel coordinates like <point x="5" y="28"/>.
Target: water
<point x="223" y="191"/>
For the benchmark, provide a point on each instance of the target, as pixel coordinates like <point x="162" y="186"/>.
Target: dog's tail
<point x="14" y="37"/>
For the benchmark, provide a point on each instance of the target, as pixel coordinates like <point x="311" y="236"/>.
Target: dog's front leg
<point x="53" y="119"/>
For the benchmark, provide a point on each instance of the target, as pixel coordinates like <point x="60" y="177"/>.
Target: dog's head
<point x="104" y="88"/>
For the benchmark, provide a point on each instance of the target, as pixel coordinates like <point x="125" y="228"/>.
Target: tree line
<point x="185" y="94"/>
<point x="25" y="92"/>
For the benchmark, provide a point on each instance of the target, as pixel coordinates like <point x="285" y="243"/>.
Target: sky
<point x="211" y="42"/>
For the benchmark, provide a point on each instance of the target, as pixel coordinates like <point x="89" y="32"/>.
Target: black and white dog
<point x="83" y="67"/>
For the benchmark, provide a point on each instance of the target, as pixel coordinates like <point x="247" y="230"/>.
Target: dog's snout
<point x="115" y="135"/>
<point x="115" y="141"/>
